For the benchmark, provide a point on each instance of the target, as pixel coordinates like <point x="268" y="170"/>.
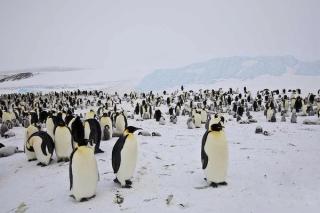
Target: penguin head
<point x="217" y="124"/>
<point x="84" y="142"/>
<point x="131" y="129"/>
<point x="217" y="127"/>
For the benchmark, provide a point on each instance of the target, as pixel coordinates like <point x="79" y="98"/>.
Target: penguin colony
<point x="53" y="124"/>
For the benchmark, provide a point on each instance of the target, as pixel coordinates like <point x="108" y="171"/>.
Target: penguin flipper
<point x="47" y="143"/>
<point x="98" y="129"/>
<point x="125" y="121"/>
<point x="116" y="153"/>
<point x="70" y="168"/>
<point x="72" y="145"/>
<point x="204" y="156"/>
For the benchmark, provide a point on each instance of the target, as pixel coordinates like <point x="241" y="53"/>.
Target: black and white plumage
<point x="214" y="154"/>
<point x="124" y="157"/>
<point x="43" y="146"/>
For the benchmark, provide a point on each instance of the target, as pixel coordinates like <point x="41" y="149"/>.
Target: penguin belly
<point x="30" y="154"/>
<point x="87" y="130"/>
<point x="216" y="148"/>
<point x="36" y="142"/>
<point x="84" y="173"/>
<point x="286" y="105"/>
<point x="128" y="163"/>
<point x="6" y="116"/>
<point x="120" y="124"/>
<point x="304" y="109"/>
<point x="103" y="122"/>
<point x="63" y="142"/>
<point x="50" y="127"/>
<point x="269" y="114"/>
<point x="204" y="117"/>
<point x="197" y="120"/>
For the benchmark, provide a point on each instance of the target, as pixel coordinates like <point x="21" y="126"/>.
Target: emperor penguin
<point x="28" y="149"/>
<point x="106" y="127"/>
<point x="124" y="157"/>
<point x="90" y="114"/>
<point x="83" y="169"/>
<point x="270" y="112"/>
<point x="50" y="125"/>
<point x="214" y="153"/>
<point x="286" y="103"/>
<point x="43" y="146"/>
<point x="197" y="118"/>
<point x="63" y="142"/>
<point x="92" y="131"/>
<point x="75" y="126"/>
<point x="204" y="116"/>
<point x="6" y="116"/>
<point x="121" y="123"/>
<point x="294" y="116"/>
<point x="190" y="123"/>
<point x="304" y="108"/>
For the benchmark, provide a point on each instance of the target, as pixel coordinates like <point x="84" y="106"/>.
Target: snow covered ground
<point x="277" y="173"/>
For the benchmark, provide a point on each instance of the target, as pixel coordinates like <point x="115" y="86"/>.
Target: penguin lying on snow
<point x="155" y="134"/>
<point x="124" y="157"/>
<point x="144" y="133"/>
<point x="214" y="154"/>
<point x="6" y="151"/>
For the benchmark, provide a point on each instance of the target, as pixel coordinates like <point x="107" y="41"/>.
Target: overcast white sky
<point x="129" y="37"/>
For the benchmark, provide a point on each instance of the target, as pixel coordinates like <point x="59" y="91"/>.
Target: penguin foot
<point x="66" y="160"/>
<point x="116" y="180"/>
<point x="97" y="151"/>
<point x="40" y="164"/>
<point x="128" y="182"/>
<point x="127" y="186"/>
<point x="72" y="196"/>
<point x="60" y="160"/>
<point x="214" y="185"/>
<point x="43" y="165"/>
<point x="32" y="160"/>
<point x="223" y="183"/>
<point x="84" y="199"/>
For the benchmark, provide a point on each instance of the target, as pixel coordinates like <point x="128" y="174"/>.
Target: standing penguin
<point x="106" y="127"/>
<point x="204" y="116"/>
<point x="124" y="157"/>
<point x="190" y="123"/>
<point x="214" y="154"/>
<point x="121" y="123"/>
<point x="83" y="169"/>
<point x="197" y="118"/>
<point x="92" y="131"/>
<point x="43" y="146"/>
<point x="50" y="125"/>
<point x="63" y="142"/>
<point x="27" y="148"/>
